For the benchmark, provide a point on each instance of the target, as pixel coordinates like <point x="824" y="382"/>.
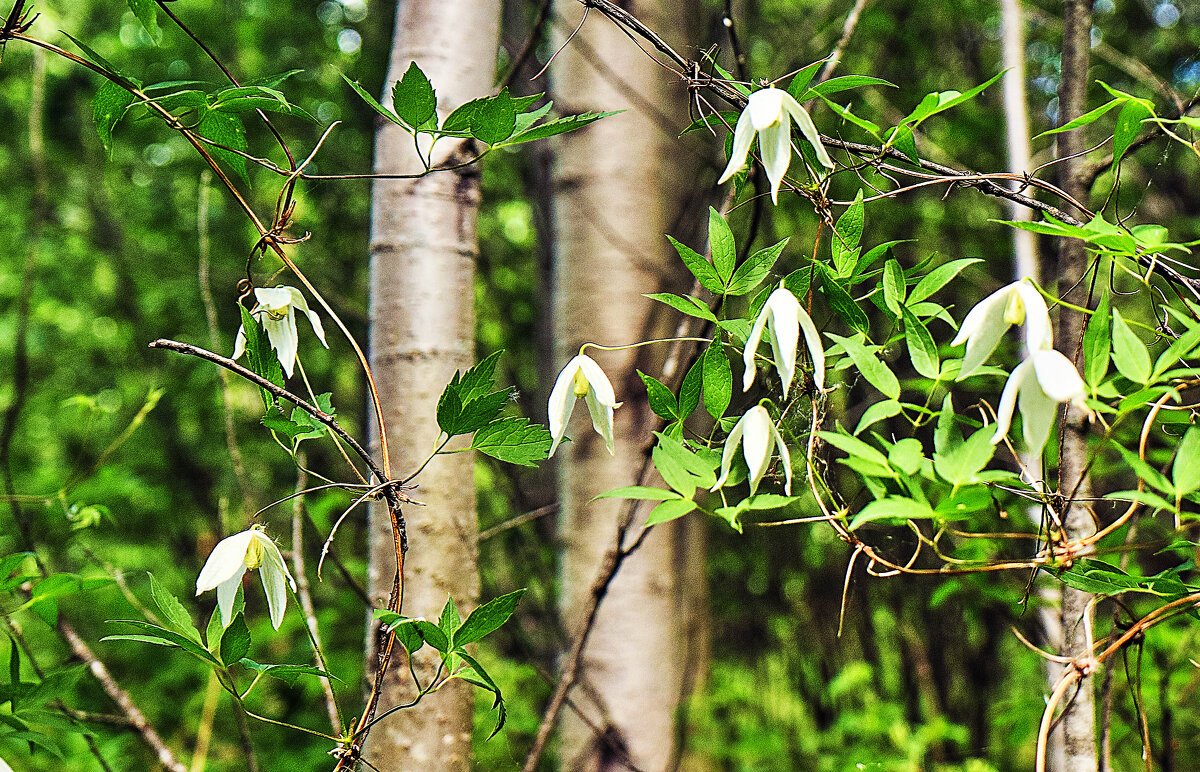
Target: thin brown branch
<point x="843" y="41"/>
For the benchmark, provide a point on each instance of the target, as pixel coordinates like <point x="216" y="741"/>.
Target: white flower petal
<point x="1008" y="399"/>
<point x="274" y="571"/>
<point x="239" y="343"/>
<point x="775" y="146"/>
<point x="299" y="302"/>
<point x="284" y="339"/>
<point x="227" y="594"/>
<point x="562" y="402"/>
<point x="785" y="458"/>
<point x="1038" y="332"/>
<point x="731" y="446"/>
<point x="815" y="349"/>
<point x="227" y="559"/>
<point x="602" y="418"/>
<point x="1057" y="376"/>
<point x="756" y="443"/>
<point x="785" y="333"/>
<point x="1038" y="412"/>
<point x="743" y="136"/>
<point x="765" y="107"/>
<point x="982" y="330"/>
<point x="807" y="128"/>
<point x="597" y="380"/>
<point x="751" y="349"/>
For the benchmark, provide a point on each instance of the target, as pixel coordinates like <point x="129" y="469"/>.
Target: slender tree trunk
<point x="1078" y="722"/>
<point x="617" y="187"/>
<point x="423" y="248"/>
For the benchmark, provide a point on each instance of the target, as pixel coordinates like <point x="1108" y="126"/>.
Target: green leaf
<point x="173" y="611"/>
<point x="871" y="366"/>
<point x="556" y="127"/>
<point x="1154" y="478"/>
<point x="860" y="451"/>
<point x="638" y="492"/>
<point x="277" y="422"/>
<point x="720" y="242"/>
<point x="108" y="107"/>
<point x="685" y="304"/>
<point x="495" y="119"/>
<point x="171" y="638"/>
<point x="433" y="635"/>
<point x="846" y="114"/>
<point x="703" y="270"/>
<point x="718" y="380"/>
<point x="798" y="86"/>
<point x="938" y="278"/>
<point x="235" y="641"/>
<point x="484" y="681"/>
<point x="1180" y="348"/>
<point x="938" y="102"/>
<point x="1097" y="344"/>
<point x="921" y="348"/>
<point x="894" y="291"/>
<point x="1185" y="471"/>
<point x="906" y="455"/>
<point x="449" y="620"/>
<point x="845" y="83"/>
<point x="670" y="510"/>
<point x="145" y="11"/>
<point x="371" y="101"/>
<point x="845" y="240"/>
<point x="1129" y="353"/>
<point x="877" y="412"/>
<point x="514" y="440"/>
<point x="479" y="379"/>
<point x="289" y="674"/>
<point x="413" y="98"/>
<point x="756" y="268"/>
<point x="662" y="401"/>
<point x="1129" y="125"/>
<point x="487" y="618"/>
<point x="961" y="463"/>
<point x="1083" y="120"/>
<point x="225" y="130"/>
<point x="902" y="138"/>
<point x="841" y="302"/>
<point x="895" y="508"/>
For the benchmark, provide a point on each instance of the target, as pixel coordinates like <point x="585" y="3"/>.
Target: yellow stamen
<point x="1014" y="310"/>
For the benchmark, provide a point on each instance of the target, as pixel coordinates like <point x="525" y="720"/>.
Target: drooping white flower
<point x="756" y="432"/>
<point x="1038" y="385"/>
<point x="276" y="311"/>
<point x="234" y="556"/>
<point x="782" y="317"/>
<point x="582" y="378"/>
<point x="769" y="114"/>
<point x="986" y="323"/>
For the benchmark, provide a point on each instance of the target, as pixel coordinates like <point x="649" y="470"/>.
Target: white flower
<point x="769" y="114"/>
<point x="755" y="431"/>
<point x="582" y="377"/>
<point x="986" y="323"/>
<point x="233" y="557"/>
<point x="783" y="318"/>
<point x="1039" y="384"/>
<point x="276" y="311"/>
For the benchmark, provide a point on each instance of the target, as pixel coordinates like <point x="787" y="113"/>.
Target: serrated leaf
<point x="449" y="619"/>
<point x="703" y="270"/>
<point x="487" y="618"/>
<point x="433" y="635"/>
<point x="685" y="304"/>
<point x="1097" y="344"/>
<point x="494" y="118"/>
<point x="670" y="510"/>
<point x="235" y="641"/>
<point x="485" y="681"/>
<point x="871" y="366"/>
<point x="514" y="440"/>
<point x="720" y="243"/>
<point x="277" y="422"/>
<point x="921" y="348"/>
<point x="413" y="98"/>
<point x="172" y="610"/>
<point x="108" y="107"/>
<point x="756" y="268"/>
<point x="662" y="401"/>
<point x="1129" y="354"/>
<point x="371" y="101"/>
<point x="718" y="380"/>
<point x="226" y="130"/>
<point x="481" y="411"/>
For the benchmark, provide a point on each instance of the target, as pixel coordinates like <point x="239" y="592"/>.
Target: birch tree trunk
<point x="423" y="250"/>
<point x="617" y="187"/>
<point x="1079" y="719"/>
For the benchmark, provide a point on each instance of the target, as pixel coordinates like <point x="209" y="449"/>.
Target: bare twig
<point x="843" y="41"/>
